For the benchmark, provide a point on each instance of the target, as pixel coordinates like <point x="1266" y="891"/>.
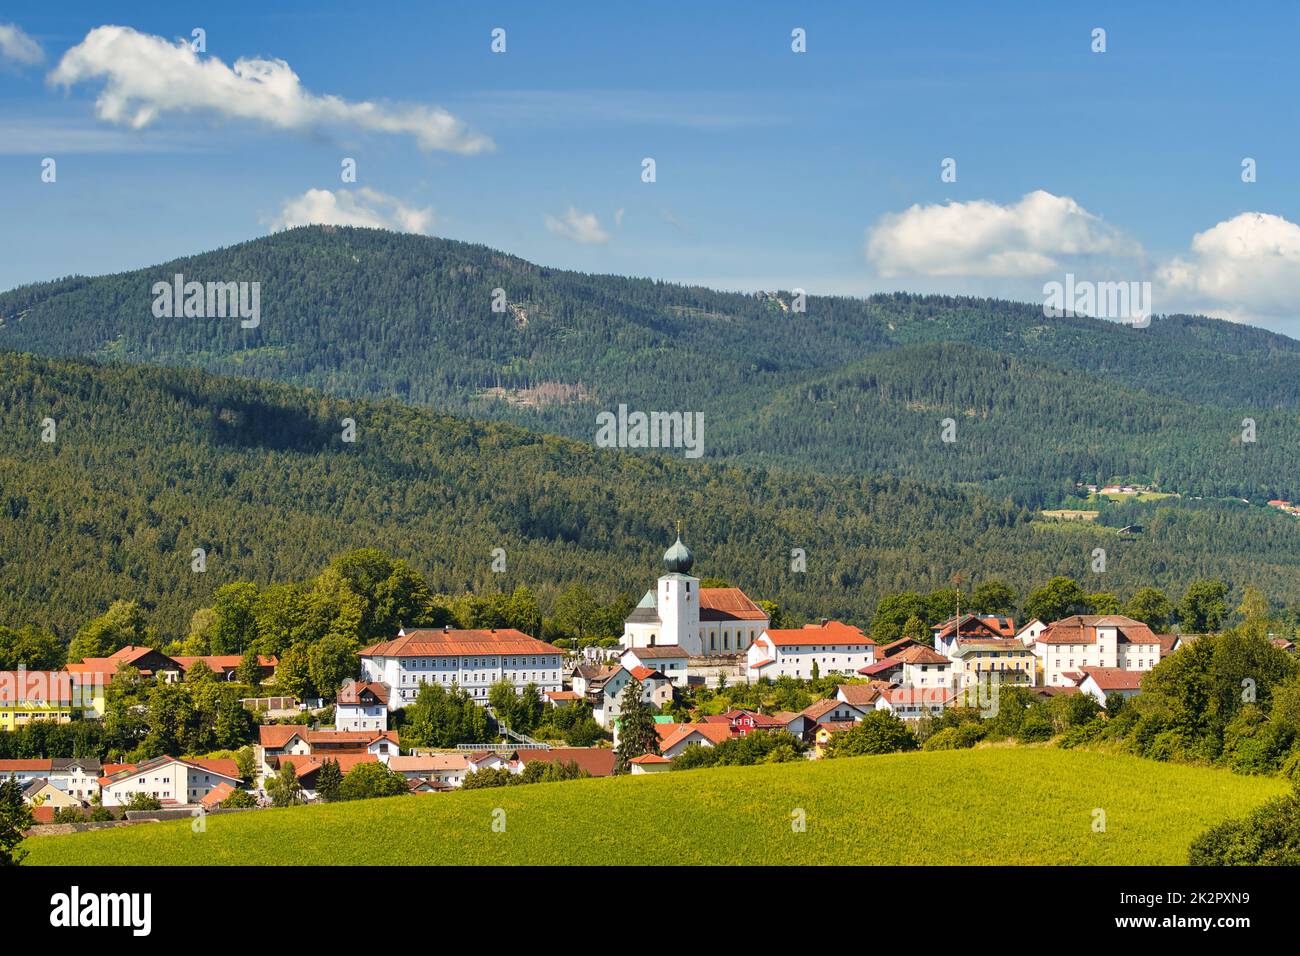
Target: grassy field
<point x="992" y="805"/>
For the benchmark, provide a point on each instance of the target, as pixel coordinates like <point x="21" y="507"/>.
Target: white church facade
<point x="708" y="622"/>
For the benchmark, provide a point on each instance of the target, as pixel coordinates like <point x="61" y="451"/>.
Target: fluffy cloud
<point x="981" y="238"/>
<point x="17" y="47"/>
<point x="362" y="207"/>
<point x="145" y="76"/>
<point x="1244" y="268"/>
<point x="581" y="227"/>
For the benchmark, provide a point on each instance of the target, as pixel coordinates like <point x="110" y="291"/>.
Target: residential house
<point x="77" y="776"/>
<point x="831" y="647"/>
<point x="649" y="763"/>
<point x="605" y="691"/>
<point x="670" y="660"/>
<point x="674" y="738"/>
<point x="1101" y="682"/>
<point x="861" y="696"/>
<point x="1091" y="640"/>
<point x="473" y="660"/>
<point x="171" y="780"/>
<point x="913" y="703"/>
<point x="307" y="767"/>
<point x="25" y="771"/>
<point x="924" y="667"/>
<point x="225" y="667"/>
<point x="987" y="659"/>
<point x="280" y="740"/>
<point x="832" y="710"/>
<point x="41" y="793"/>
<point x="994" y="626"/>
<point x="442" y="770"/>
<point x="597" y="761"/>
<point x="361" y="705"/>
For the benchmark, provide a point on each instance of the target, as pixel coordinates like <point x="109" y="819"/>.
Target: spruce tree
<point x="636" y="734"/>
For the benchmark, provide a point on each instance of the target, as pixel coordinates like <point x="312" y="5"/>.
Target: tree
<point x="917" y="630"/>
<point x="284" y="788"/>
<point x="1060" y="597"/>
<point x="234" y="626"/>
<point x="504" y="702"/>
<point x="238" y="800"/>
<point x="893" y="612"/>
<point x="15" y="820"/>
<point x="142" y="801"/>
<point x="1103" y="602"/>
<point x="122" y="624"/>
<point x="993" y="597"/>
<point x="250" y="668"/>
<point x="636" y="733"/>
<point x="246" y="761"/>
<point x="576" y="613"/>
<point x="199" y="671"/>
<point x="329" y="781"/>
<point x="30" y="647"/>
<point x="879" y="732"/>
<point x="1151" y="607"/>
<point x="331" y="661"/>
<point x="367" y="780"/>
<point x="1203" y="607"/>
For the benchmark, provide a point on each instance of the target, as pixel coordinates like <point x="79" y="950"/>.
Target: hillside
<point x="993" y="805"/>
<point x="150" y="463"/>
<point x="849" y="385"/>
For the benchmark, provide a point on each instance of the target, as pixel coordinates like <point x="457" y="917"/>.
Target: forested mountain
<point x="848" y="385"/>
<point x="149" y="463"/>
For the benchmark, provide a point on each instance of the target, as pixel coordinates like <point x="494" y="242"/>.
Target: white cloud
<point x="146" y="76"/>
<point x="1242" y="268"/>
<point x="17" y="47"/>
<point x="581" y="227"/>
<point x="362" y="207"/>
<point x="980" y="238"/>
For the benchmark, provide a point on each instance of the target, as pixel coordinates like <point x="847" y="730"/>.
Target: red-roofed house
<point x="834" y="647"/>
<point x="473" y="660"/>
<point x="1101" y="682"/>
<point x="171" y="780"/>
<point x="649" y="763"/>
<point x="674" y="738"/>
<point x="1094" y="641"/>
<point x="361" y="705"/>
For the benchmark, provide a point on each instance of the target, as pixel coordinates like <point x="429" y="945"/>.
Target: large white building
<point x="1086" y="641"/>
<point x="170" y="780"/>
<point x="834" y="647"/>
<point x="472" y="660"/>
<point x="703" y="622"/>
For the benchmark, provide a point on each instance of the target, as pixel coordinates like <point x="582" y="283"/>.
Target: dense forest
<point x="850" y="386"/>
<point x="148" y="464"/>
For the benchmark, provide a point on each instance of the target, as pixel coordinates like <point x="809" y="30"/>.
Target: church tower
<point x="678" y="600"/>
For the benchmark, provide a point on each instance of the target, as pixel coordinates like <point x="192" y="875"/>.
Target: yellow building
<point x="977" y="660"/>
<point x="26" y="696"/>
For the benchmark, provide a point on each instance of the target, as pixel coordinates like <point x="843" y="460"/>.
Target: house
<point x="1029" y="632"/>
<point x="649" y="763"/>
<point x="281" y="740"/>
<point x="25" y="771"/>
<point x="171" y="780"/>
<point x="473" y="660"/>
<point x="1101" y="682"/>
<point x="797" y="724"/>
<point x="597" y="761"/>
<point x="1006" y="659"/>
<point x="861" y="696"/>
<point x="897" y="647"/>
<point x="994" y="626"/>
<point x="824" y="732"/>
<point x="41" y="793"/>
<point x="361" y="705"/>
<point x="307" y="767"/>
<point x="743" y="722"/>
<point x="149" y="662"/>
<point x="443" y="770"/>
<point x="605" y="691"/>
<point x="924" y="667"/>
<point x="671" y="661"/>
<point x="225" y="667"/>
<point x="674" y="738"/>
<point x="1090" y="641"/>
<point x="888" y="670"/>
<point x="77" y="776"/>
<point x="26" y="696"/>
<point x="830" y="647"/>
<point x="1171" y="642"/>
<point x="913" y="703"/>
<point x="702" y="622"/>
<point x="561" y="698"/>
<point x="833" y="710"/>
<point x="214" y="797"/>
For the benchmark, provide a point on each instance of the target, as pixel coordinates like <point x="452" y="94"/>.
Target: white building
<point x="170" y="780"/>
<point x="834" y="647"/>
<point x="361" y="706"/>
<point x="1101" y="682"/>
<point x="472" y="660"/>
<point x="607" y="689"/>
<point x="703" y="623"/>
<point x="671" y="661"/>
<point x="1074" y="644"/>
<point x="76" y="776"/>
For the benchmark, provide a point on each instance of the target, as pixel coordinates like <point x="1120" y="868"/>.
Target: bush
<point x="367" y="780"/>
<point x="239" y="800"/>
<point x="1036" y="726"/>
<point x="1268" y="837"/>
<point x="142" y="801"/>
<point x="877" y="733"/>
<point x="961" y="737"/>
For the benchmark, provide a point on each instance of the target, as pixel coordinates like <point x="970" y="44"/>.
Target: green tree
<point x="993" y="597"/>
<point x="1060" y="597"/>
<point x="636" y="734"/>
<point x="576" y="613"/>
<point x="284" y="788"/>
<point x="329" y="781"/>
<point x="142" y="801"/>
<point x="122" y="624"/>
<point x="30" y="647"/>
<point x="1103" y="602"/>
<point x="367" y="780"/>
<point x="15" y="820"/>
<point x="239" y="800"/>
<point x="877" y="733"/>
<point x="1151" y="607"/>
<point x="1203" y="607"/>
<point x="234" y="625"/>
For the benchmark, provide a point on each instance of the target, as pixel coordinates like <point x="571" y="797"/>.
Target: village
<point x="680" y="637"/>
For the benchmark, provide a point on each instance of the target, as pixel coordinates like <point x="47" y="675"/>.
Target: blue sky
<point x="774" y="169"/>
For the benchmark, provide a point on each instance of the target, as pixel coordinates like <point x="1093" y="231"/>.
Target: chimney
<point x="825" y="621"/>
<point x="446" y="629"/>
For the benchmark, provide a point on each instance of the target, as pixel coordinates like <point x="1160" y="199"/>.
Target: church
<point x="708" y="622"/>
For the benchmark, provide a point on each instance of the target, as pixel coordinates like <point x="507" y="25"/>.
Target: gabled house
<point x="361" y="706"/>
<point x="307" y="767"/>
<point x="674" y="738"/>
<point x="831" y="647"/>
<point x="42" y="793"/>
<point x="913" y="703"/>
<point x="1094" y="641"/>
<point x="670" y="660"/>
<point x="924" y="667"/>
<point x="993" y="626"/>
<point x="1101" y="682"/>
<point x="832" y="710"/>
<point x="171" y="780"/>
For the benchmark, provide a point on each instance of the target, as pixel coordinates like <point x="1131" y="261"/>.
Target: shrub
<point x="961" y="737"/>
<point x="877" y="733"/>
<point x="1270" y="836"/>
<point x="1036" y="726"/>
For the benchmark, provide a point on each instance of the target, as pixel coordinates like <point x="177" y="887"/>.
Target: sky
<point x="821" y="169"/>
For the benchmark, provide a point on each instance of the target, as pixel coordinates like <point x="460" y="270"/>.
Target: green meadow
<point x="1010" y="805"/>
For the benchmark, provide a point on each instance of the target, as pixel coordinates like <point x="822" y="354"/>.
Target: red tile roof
<point x="40" y="765"/>
<point x="433" y="642"/>
<point x="218" y="793"/>
<point x="1114" y="678"/>
<point x="1082" y="629"/>
<point x="644" y="673"/>
<point x="597" y="761"/>
<point x="714" y="733"/>
<point x="921" y="655"/>
<point x="350" y="693"/>
<point x="306" y="766"/>
<point x="275" y="736"/>
<point x="46" y="687"/>
<point x="861" y="695"/>
<point x="728" y="604"/>
<point x="819" y="708"/>
<point x="650" y="758"/>
<point x="832" y="632"/>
